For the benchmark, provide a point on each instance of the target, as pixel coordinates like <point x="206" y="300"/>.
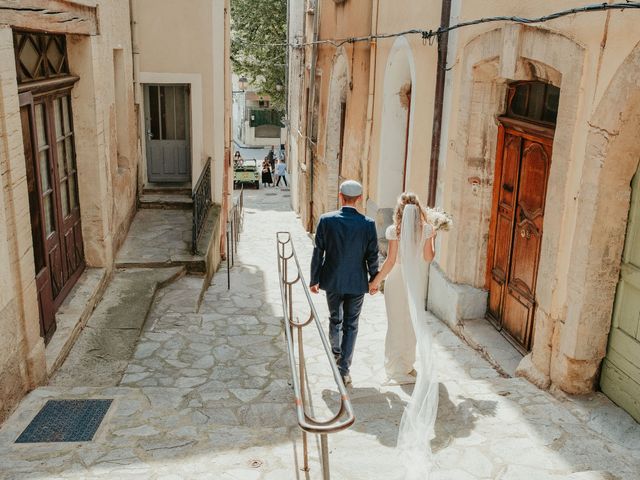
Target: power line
<point x="429" y="35"/>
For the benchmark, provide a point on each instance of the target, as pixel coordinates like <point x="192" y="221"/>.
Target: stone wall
<point x="107" y="159"/>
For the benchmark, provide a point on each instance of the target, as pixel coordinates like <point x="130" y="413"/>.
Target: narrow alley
<point x="206" y="395"/>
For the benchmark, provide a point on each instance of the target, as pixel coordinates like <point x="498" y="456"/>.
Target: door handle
<point x="525" y="233"/>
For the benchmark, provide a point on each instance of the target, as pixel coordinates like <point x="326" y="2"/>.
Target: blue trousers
<point x="344" y="312"/>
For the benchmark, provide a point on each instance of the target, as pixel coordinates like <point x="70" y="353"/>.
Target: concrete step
<point x="166" y="201"/>
<point x="106" y="344"/>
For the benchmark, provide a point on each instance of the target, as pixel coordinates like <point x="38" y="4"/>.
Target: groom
<point x="345" y="260"/>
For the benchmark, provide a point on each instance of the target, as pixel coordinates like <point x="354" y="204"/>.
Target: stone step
<point x="172" y="201"/>
<point x="167" y="190"/>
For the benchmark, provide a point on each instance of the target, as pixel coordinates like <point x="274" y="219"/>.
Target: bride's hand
<point x="373" y="288"/>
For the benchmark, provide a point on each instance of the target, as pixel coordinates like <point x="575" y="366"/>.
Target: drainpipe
<point x="371" y="98"/>
<point x="310" y="103"/>
<point x="443" y="47"/>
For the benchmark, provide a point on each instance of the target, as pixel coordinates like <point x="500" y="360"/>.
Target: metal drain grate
<point x="66" y="421"/>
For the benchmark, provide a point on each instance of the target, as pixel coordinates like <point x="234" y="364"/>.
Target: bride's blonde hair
<point x="406" y="198"/>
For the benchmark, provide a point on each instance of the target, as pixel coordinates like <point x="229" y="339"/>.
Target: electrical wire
<point x="429" y="35"/>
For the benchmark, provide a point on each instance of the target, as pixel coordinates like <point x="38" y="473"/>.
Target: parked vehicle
<point x="246" y="171"/>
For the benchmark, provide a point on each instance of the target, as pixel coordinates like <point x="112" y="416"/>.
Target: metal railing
<point x="201" y="197"/>
<point x="234" y="228"/>
<point x="345" y="417"/>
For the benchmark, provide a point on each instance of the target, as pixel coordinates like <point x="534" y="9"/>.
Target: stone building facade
<point x="535" y="159"/>
<point x="73" y="156"/>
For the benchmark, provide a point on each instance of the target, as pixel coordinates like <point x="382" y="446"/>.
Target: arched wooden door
<point x="523" y="163"/>
<point x="521" y="183"/>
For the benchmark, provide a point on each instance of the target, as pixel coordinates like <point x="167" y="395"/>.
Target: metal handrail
<point x="234" y="227"/>
<point x="345" y="417"/>
<point x="201" y="197"/>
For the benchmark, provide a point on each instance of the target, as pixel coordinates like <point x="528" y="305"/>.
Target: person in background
<point x="267" y="178"/>
<point x="237" y="158"/>
<point x="281" y="173"/>
<point x="271" y="156"/>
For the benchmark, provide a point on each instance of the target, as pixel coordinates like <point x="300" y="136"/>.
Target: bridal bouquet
<point x="440" y="219"/>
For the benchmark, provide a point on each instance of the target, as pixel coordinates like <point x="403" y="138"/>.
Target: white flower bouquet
<point x="440" y="219"/>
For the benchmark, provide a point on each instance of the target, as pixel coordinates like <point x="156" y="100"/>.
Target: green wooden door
<point x="620" y="378"/>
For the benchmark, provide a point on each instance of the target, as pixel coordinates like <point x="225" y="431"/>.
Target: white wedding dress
<point x="405" y="304"/>
<point x="400" y="342"/>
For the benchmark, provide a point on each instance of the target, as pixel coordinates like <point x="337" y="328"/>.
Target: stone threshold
<point x="480" y="335"/>
<point x="73" y="314"/>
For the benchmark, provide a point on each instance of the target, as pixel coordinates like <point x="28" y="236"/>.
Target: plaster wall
<point x="581" y="54"/>
<point x="344" y="74"/>
<point x="401" y="63"/>
<point x="107" y="165"/>
<point x="194" y="55"/>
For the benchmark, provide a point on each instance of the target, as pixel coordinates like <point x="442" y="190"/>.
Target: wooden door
<point x="522" y="171"/>
<point x="167" y="123"/>
<point x="53" y="200"/>
<point x="620" y="378"/>
<point x="36" y="186"/>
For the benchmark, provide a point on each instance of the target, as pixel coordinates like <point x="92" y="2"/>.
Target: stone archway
<point x="396" y="130"/>
<point x="489" y="62"/>
<point x="611" y="159"/>
<point x="338" y="88"/>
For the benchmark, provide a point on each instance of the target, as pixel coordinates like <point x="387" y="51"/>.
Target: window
<point x="534" y="101"/>
<point x="40" y="56"/>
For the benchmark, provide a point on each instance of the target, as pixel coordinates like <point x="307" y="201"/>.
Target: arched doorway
<point x="523" y="163"/>
<point x="396" y="126"/>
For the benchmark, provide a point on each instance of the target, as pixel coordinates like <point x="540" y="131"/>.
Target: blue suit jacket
<point x="345" y="256"/>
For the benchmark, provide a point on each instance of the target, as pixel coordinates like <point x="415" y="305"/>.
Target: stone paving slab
<point x="206" y="395"/>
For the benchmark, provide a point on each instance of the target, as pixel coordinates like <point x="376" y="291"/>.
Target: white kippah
<point x="351" y="188"/>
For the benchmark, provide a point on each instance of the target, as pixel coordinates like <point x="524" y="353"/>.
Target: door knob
<point x="525" y="233"/>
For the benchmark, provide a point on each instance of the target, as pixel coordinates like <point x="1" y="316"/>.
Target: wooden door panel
<point x="516" y="317"/>
<point x="42" y="272"/>
<point x="495" y="299"/>
<point x="509" y="177"/>
<point x="620" y="378"/>
<point x="522" y="169"/>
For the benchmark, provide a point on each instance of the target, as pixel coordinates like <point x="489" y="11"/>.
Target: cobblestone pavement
<point x="206" y="396"/>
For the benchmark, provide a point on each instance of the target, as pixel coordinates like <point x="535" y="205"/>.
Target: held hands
<point x="315" y="288"/>
<point x="374" y="287"/>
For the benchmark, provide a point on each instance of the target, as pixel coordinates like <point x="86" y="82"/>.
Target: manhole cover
<point x="66" y="421"/>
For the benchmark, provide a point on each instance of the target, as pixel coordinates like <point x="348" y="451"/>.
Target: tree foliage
<point x="255" y="26"/>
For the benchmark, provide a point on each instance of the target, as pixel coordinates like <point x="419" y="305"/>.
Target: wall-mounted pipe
<point x="373" y="55"/>
<point x="310" y="103"/>
<point x="443" y="48"/>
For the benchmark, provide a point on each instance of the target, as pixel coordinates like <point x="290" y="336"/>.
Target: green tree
<point x="258" y="35"/>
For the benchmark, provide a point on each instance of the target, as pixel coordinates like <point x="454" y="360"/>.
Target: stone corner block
<point x="526" y="369"/>
<point x="453" y="302"/>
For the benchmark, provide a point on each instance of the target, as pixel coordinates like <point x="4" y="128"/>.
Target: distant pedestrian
<point x="267" y="178"/>
<point x="271" y="156"/>
<point x="281" y="172"/>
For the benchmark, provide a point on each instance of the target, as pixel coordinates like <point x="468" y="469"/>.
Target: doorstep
<point x="496" y="349"/>
<point x="73" y="314"/>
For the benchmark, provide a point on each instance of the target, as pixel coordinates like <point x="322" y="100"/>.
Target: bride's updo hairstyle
<point x="406" y="198"/>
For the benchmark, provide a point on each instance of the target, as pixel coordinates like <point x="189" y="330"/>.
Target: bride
<point x="411" y="247"/>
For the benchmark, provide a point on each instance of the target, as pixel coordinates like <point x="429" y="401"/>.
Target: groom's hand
<point x="314" y="288"/>
<point x="373" y="288"/>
